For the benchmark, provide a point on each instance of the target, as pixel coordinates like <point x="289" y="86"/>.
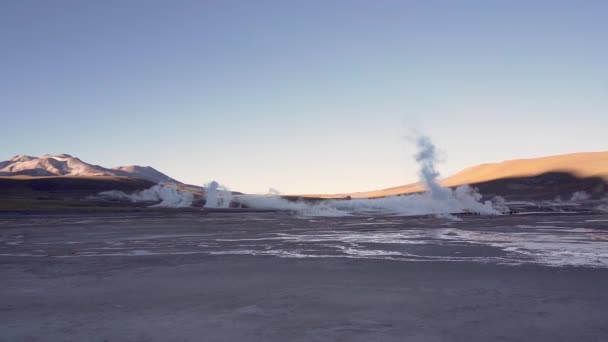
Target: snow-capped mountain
<point x="66" y="165"/>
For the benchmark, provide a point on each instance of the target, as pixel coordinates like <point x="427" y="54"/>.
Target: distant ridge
<point x="580" y="165"/>
<point x="583" y="165"/>
<point x="145" y="172"/>
<point x="66" y="165"/>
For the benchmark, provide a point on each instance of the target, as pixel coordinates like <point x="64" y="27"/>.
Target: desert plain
<point x="194" y="275"/>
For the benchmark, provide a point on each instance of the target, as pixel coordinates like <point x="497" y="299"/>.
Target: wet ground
<point x="189" y="276"/>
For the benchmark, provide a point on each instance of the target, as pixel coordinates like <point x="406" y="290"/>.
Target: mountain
<point x="581" y="165"/>
<point x="48" y="165"/>
<point x="144" y="172"/>
<point x="67" y="165"/>
<point x="587" y="169"/>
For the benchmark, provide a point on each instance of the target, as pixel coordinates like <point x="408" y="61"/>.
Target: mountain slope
<point x="145" y="172"/>
<point x="48" y="165"/>
<point x="66" y="165"/>
<point x="580" y="165"/>
<point x="62" y="192"/>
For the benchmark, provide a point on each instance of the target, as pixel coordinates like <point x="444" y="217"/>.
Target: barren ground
<point x="185" y="276"/>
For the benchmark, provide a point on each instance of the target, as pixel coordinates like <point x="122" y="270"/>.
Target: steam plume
<point x="426" y="158"/>
<point x="218" y="196"/>
<point x="211" y="195"/>
<point x="437" y="200"/>
<point x="167" y="196"/>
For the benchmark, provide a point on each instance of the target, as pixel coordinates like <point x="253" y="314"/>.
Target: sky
<point x="302" y="96"/>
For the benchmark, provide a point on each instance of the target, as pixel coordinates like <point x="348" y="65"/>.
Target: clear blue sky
<point x="302" y="96"/>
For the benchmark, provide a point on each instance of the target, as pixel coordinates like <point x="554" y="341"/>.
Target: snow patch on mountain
<point x="67" y="165"/>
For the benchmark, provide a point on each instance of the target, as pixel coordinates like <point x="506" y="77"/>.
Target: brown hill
<point x="581" y="165"/>
<point x="585" y="168"/>
<point x="17" y="185"/>
<point x="27" y="192"/>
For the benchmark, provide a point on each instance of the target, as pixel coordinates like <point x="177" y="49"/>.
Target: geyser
<point x="426" y="158"/>
<point x="218" y="196"/>
<point x="436" y="200"/>
<point x="169" y="196"/>
<point x="211" y="201"/>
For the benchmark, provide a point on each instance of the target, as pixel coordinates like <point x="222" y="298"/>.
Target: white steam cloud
<point x="167" y="196"/>
<point x="324" y="208"/>
<point x="437" y="200"/>
<point x="211" y="195"/>
<point x="426" y="158"/>
<point x="273" y="191"/>
<point x="218" y="196"/>
<point x="580" y="196"/>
